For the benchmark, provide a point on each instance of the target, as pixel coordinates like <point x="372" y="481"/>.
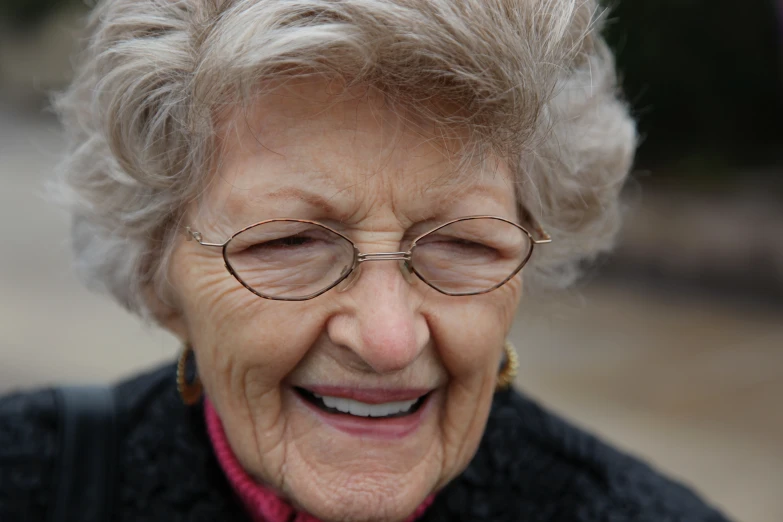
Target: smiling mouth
<point x="353" y="408"/>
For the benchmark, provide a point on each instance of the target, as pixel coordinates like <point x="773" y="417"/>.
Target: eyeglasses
<point x="297" y="259"/>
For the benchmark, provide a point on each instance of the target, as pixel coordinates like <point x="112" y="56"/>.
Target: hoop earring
<point x="190" y="392"/>
<point x="509" y="370"/>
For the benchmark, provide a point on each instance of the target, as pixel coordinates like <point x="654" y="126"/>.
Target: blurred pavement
<point x="691" y="383"/>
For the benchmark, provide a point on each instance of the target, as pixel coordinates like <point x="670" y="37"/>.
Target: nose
<point x="380" y="324"/>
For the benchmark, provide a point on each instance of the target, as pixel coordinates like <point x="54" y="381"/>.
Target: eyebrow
<point x="328" y="207"/>
<point x="296" y="194"/>
<point x="491" y="193"/>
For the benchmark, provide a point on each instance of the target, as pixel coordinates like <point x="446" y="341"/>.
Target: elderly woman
<point x="333" y="205"/>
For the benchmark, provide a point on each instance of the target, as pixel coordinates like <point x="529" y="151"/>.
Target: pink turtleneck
<point x="261" y="503"/>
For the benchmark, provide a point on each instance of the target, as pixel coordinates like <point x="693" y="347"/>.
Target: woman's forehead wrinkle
<point x="350" y="194"/>
<point x="369" y="164"/>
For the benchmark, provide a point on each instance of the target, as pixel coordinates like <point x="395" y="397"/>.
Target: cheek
<point x="244" y="343"/>
<point x="470" y="333"/>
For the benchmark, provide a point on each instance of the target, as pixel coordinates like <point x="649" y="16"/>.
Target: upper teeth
<point x="361" y="409"/>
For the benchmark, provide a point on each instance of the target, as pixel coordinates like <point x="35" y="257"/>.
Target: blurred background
<point x="671" y="348"/>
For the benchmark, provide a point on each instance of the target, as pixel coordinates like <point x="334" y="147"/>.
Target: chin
<point x="347" y="468"/>
<point x="366" y="499"/>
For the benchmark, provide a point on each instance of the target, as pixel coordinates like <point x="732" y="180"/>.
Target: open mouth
<point x="350" y="407"/>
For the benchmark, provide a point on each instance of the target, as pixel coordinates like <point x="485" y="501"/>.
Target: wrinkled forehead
<point x="348" y="145"/>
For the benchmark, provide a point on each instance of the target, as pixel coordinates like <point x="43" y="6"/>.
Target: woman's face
<point x="357" y="167"/>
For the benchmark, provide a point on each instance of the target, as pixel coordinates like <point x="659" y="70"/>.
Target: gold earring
<point x="190" y="392"/>
<point x="509" y="369"/>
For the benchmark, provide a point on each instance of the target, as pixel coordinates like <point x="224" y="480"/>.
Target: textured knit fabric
<point x="261" y="503"/>
<point x="530" y="467"/>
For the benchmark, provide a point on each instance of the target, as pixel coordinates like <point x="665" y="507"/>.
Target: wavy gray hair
<point x="533" y="78"/>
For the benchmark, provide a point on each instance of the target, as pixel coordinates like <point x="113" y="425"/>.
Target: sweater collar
<point x="261" y="503"/>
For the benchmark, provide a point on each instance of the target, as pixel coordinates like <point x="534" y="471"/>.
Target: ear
<point x="166" y="313"/>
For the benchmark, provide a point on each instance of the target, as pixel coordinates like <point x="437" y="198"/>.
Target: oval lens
<point x="471" y="256"/>
<point x="286" y="259"/>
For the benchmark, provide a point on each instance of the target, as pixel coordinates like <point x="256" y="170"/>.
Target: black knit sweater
<point x="530" y="467"/>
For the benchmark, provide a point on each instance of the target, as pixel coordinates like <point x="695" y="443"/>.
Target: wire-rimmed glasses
<point x="296" y="259"/>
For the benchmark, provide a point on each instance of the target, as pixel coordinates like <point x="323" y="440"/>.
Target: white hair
<point x="533" y="80"/>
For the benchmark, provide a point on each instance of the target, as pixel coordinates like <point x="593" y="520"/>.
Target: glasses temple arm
<point x="543" y="236"/>
<point x="192" y="235"/>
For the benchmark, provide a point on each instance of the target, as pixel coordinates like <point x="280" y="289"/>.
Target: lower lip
<point x="385" y="429"/>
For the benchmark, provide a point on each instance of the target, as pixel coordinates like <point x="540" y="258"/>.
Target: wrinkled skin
<point x="377" y="181"/>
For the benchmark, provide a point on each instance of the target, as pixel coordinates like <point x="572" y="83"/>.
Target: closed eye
<point x="286" y="242"/>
